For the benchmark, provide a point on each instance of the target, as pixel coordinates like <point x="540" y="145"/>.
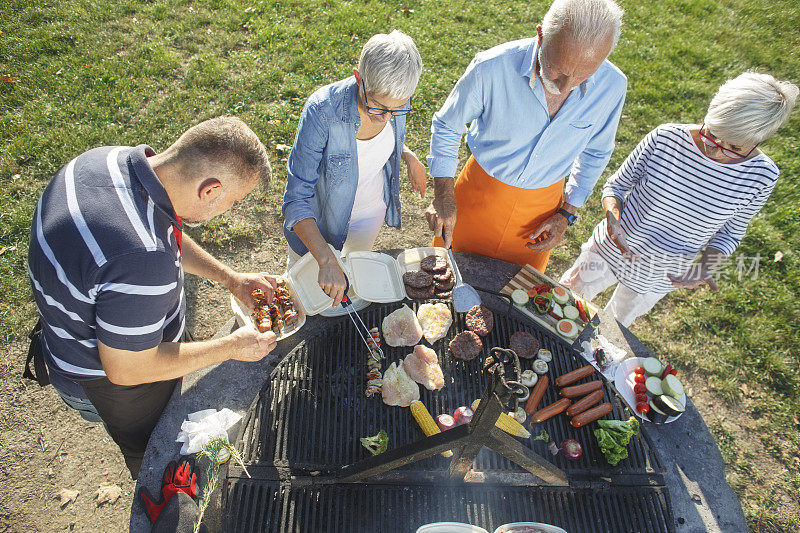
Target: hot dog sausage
<point x="576" y="391"/>
<point x="590" y="415"/>
<point x="585" y="403"/>
<point x="551" y="410"/>
<point x="536" y="395"/>
<point x="575" y="375"/>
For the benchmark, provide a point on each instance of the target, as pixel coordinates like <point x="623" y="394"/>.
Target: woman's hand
<point x="694" y="278"/>
<point x="618" y="237"/>
<point x="417" y="173"/>
<point x="332" y="280"/>
<point x="243" y="284"/>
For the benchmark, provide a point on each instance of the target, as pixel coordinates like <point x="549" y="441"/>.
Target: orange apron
<point x="495" y="219"/>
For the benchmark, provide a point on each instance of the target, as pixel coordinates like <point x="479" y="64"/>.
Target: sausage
<point x="536" y="395"/>
<point x="551" y="410"/>
<point x="576" y="391"/>
<point x="585" y="403"/>
<point x="591" y="415"/>
<point x="575" y="375"/>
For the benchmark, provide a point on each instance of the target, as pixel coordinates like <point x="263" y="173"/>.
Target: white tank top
<point x="372" y="157"/>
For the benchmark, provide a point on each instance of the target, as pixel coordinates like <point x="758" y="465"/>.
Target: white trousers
<point x="590" y="275"/>
<point x="361" y="236"/>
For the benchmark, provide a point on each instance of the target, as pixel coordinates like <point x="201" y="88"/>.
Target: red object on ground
<point x="178" y="477"/>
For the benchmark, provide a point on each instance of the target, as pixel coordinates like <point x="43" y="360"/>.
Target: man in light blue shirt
<point x="539" y="109"/>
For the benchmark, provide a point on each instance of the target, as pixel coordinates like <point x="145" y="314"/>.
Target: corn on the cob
<point x="426" y="422"/>
<point x="507" y="423"/>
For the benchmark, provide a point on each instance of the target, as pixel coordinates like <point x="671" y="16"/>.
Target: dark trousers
<point x="130" y="413"/>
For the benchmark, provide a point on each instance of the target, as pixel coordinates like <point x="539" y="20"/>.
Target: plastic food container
<point x="450" y="527"/>
<point x="243" y="315"/>
<point x="373" y="276"/>
<point x="528" y="527"/>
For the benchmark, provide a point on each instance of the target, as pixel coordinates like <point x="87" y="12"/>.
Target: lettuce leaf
<point x="613" y="437"/>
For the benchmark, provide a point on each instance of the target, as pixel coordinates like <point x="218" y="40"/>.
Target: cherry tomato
<point x="639" y="388"/>
<point x="639" y="378"/>
<point x="638" y="370"/>
<point x="641" y="398"/>
<point x="642" y="407"/>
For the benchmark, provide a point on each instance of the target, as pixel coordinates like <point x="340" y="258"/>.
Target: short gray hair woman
<point x="687" y="190"/>
<point x="343" y="171"/>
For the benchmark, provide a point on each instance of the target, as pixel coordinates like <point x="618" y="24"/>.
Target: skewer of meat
<point x="277" y="319"/>
<point x="263" y="320"/>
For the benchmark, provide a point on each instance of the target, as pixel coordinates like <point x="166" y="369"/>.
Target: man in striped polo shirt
<point x="106" y="261"/>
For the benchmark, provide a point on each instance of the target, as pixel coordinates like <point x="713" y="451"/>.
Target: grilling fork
<point x="361" y="328"/>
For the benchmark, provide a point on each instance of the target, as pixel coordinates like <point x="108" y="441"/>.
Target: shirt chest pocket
<point x="338" y="168"/>
<point x="580" y="129"/>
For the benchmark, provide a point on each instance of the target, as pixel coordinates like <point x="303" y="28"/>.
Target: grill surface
<point x="272" y="507"/>
<point x="306" y="423"/>
<point x="311" y="414"/>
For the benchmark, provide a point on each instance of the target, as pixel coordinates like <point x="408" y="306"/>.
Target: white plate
<point x="243" y="317"/>
<point x="546" y="528"/>
<point x="623" y="380"/>
<point x="450" y="527"/>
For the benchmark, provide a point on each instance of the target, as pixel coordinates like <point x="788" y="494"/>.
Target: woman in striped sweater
<point x="686" y="191"/>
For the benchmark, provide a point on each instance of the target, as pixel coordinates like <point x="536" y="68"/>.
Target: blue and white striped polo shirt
<point x="104" y="262"/>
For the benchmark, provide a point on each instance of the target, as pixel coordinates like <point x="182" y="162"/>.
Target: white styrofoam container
<point x="411" y="258"/>
<point x="243" y="315"/>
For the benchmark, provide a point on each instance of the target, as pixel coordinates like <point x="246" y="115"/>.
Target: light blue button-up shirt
<point x="511" y="135"/>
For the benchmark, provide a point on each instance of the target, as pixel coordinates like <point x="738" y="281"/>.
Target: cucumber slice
<point x="519" y="296"/>
<point x="672" y="386"/>
<point x="560" y="294"/>
<point x="652" y="366"/>
<point x="655" y="415"/>
<point x="653" y="385"/>
<point x="669" y="405"/>
<point x="571" y="312"/>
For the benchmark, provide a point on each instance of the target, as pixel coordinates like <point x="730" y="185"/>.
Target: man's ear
<point x="209" y="189"/>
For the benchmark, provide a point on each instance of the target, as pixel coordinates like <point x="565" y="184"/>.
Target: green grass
<point x="95" y="72"/>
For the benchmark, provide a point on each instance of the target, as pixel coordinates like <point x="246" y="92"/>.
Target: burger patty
<point x="420" y="293"/>
<point x="417" y="279"/>
<point x="466" y="345"/>
<point x="524" y="344"/>
<point x="480" y="320"/>
<point x="447" y="275"/>
<point x="434" y="263"/>
<point x="443" y="294"/>
<point x="444" y="285"/>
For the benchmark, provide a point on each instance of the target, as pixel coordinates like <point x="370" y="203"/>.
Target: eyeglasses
<point x="382" y="110"/>
<point x="711" y="143"/>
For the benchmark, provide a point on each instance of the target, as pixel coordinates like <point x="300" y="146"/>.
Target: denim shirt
<point x="323" y="166"/>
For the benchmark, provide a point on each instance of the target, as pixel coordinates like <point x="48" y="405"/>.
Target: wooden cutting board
<point x="528" y="278"/>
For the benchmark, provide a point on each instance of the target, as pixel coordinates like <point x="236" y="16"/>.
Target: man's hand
<point x="417" y="173"/>
<point x="332" y="280"/>
<point x="617" y="236"/>
<point x="548" y="234"/>
<point x="441" y="214"/>
<point x="242" y="284"/>
<point x="251" y="345"/>
<point x="694" y="278"/>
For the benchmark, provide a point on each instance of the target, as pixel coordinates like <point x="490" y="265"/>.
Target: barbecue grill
<point x="303" y="430"/>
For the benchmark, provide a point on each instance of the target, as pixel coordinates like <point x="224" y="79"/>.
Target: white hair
<point x="588" y="22"/>
<point x="748" y="109"/>
<point x="390" y="65"/>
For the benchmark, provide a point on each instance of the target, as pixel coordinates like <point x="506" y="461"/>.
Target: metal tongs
<point x="361" y="328"/>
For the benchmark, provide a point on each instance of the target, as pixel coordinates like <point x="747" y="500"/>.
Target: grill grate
<point x="311" y="413"/>
<point x="253" y="506"/>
